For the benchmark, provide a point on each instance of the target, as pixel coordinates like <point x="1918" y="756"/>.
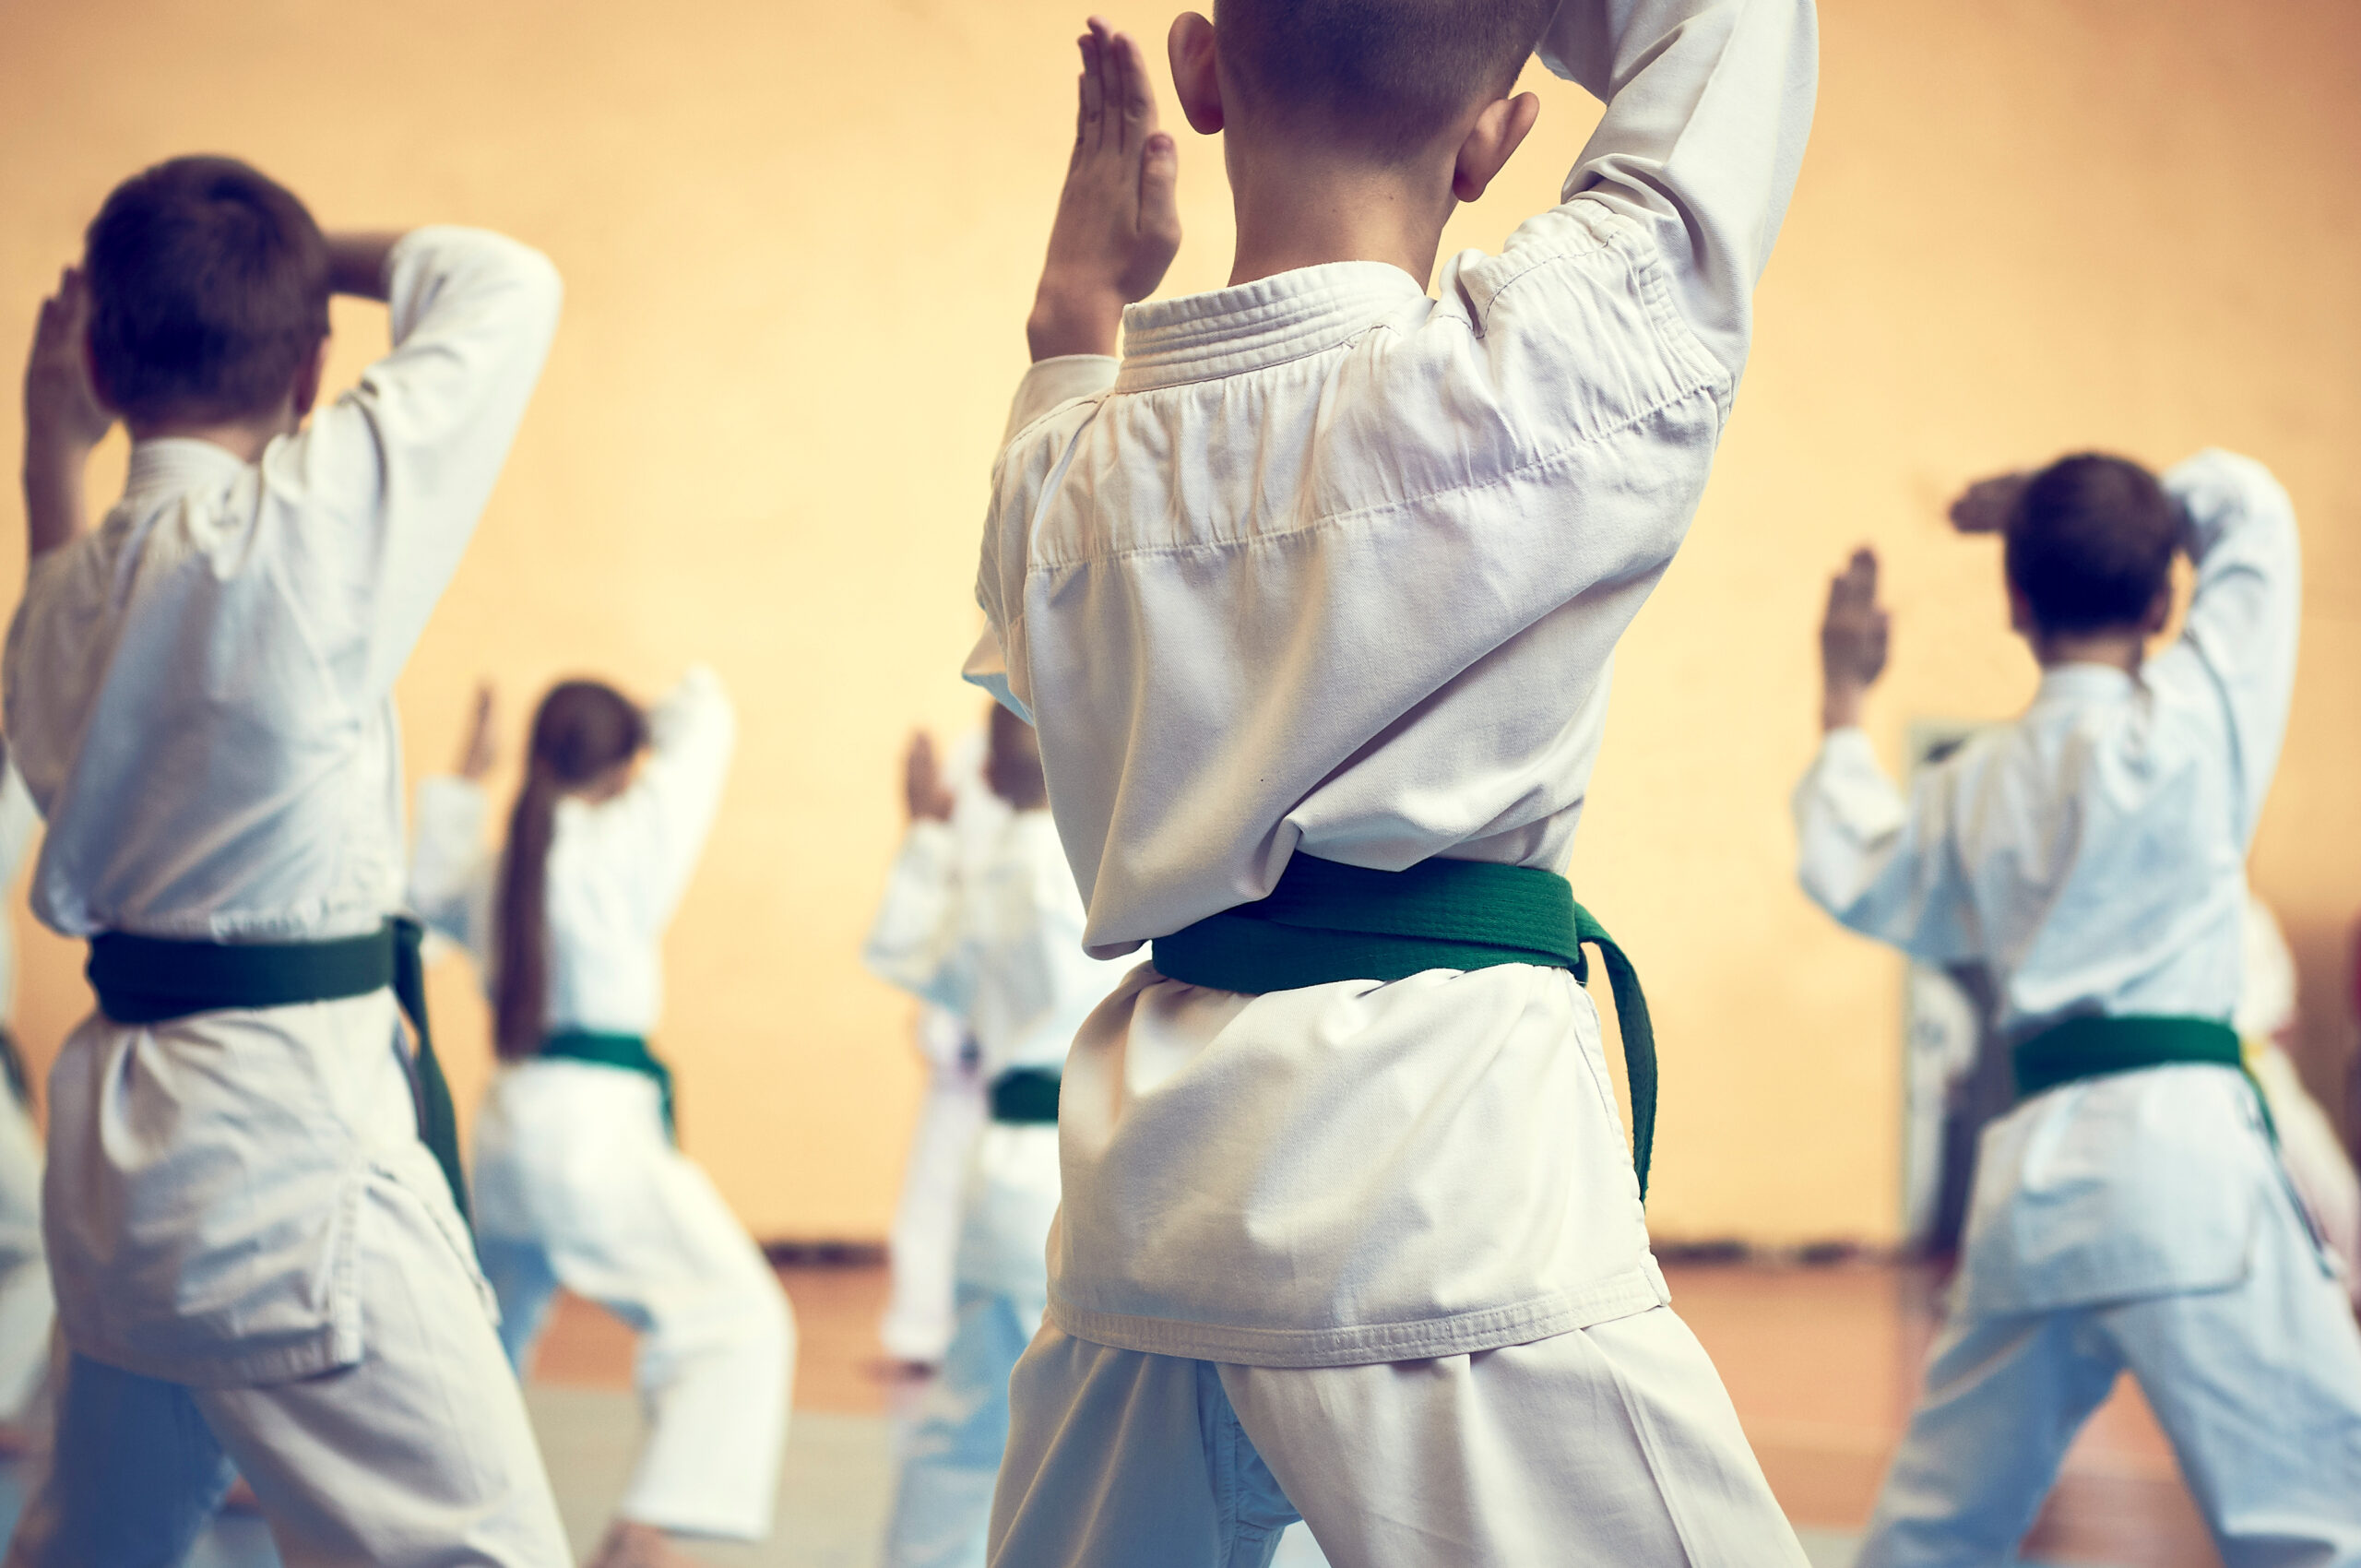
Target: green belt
<point x="1326" y="922"/>
<point x="1026" y="1096"/>
<point x="629" y="1052"/>
<point x="148" y="980"/>
<point x="2092" y="1046"/>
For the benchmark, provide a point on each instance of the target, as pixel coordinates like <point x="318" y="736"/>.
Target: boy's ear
<point x="306" y="391"/>
<point x="1499" y="131"/>
<point x="1196" y="72"/>
<point x="98" y="382"/>
<point x="2160" y="609"/>
<point x="2020" y="612"/>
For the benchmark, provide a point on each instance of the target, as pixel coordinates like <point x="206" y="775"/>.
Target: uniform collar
<point x="177" y="462"/>
<point x="2084" y="682"/>
<point x="1270" y="321"/>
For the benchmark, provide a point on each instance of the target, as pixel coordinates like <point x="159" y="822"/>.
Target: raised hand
<point x="61" y="407"/>
<point x="1853" y="637"/>
<point x="482" y="748"/>
<point x="1119" y="219"/>
<point x="63" y="418"/>
<point x="929" y="797"/>
<point x="1987" y="505"/>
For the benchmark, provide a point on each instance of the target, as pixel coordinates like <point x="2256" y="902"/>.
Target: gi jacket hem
<point x="1636" y="1289"/>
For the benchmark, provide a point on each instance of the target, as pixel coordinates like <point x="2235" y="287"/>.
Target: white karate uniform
<point x="28" y="1307"/>
<point x="2309" y="1146"/>
<point x="924" y="1241"/>
<point x="576" y="1182"/>
<point x="2092" y="857"/>
<point x="1328" y="564"/>
<point x="257" y="1259"/>
<point x="994" y="935"/>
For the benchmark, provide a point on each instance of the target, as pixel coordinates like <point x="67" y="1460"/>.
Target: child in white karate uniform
<point x="1313" y="595"/>
<point x="28" y="1307"/>
<point x="924" y="1243"/>
<point x="2131" y="1214"/>
<point x="995" y="936"/>
<point x="259" y="1257"/>
<point x="579" y="1180"/>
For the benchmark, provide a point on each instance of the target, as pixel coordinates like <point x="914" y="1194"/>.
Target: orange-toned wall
<point x="800" y="240"/>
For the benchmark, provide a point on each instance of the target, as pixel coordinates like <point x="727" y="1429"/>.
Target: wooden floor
<point x="1822" y="1363"/>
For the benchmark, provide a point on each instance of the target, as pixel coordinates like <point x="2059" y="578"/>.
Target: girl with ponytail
<point x="578" y="1180"/>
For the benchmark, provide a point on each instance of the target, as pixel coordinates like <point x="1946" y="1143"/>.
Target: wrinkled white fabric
<point x="616" y="870"/>
<point x="200" y="696"/>
<point x="2257" y="1385"/>
<point x="1328" y="564"/>
<point x="576" y="1185"/>
<point x="1612" y="1444"/>
<point x="2092" y="855"/>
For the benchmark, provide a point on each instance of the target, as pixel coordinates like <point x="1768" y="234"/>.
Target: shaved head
<point x="1390" y="75"/>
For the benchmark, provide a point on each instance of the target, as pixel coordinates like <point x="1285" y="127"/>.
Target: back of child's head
<point x="1386" y="76"/>
<point x="208" y="292"/>
<point x="2090" y="544"/>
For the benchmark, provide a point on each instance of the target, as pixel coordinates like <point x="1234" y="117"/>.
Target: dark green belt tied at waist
<point x="629" y="1052"/>
<point x="148" y="980"/>
<point x="2093" y="1046"/>
<point x="1326" y="922"/>
<point x="1026" y="1095"/>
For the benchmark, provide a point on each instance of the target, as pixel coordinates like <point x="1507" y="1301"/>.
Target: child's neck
<point x="243" y="439"/>
<point x="2118" y="650"/>
<point x="1300" y="210"/>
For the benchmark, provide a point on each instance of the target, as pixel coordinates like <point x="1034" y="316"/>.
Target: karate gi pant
<point x="576" y="1185"/>
<point x="27" y="1306"/>
<point x="418" y="1457"/>
<point x="920" y="1315"/>
<point x="2258" y="1385"/>
<point x="1614" y="1443"/>
<point x="942" y="1496"/>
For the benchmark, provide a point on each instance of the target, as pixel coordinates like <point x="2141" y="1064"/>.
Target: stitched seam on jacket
<point x="1036" y="565"/>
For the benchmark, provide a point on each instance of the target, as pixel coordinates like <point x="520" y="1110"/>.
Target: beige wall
<point x="799" y="241"/>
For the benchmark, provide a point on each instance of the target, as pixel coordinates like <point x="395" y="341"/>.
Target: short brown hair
<point x="209" y="291"/>
<point x="2090" y="543"/>
<point x="1391" y="74"/>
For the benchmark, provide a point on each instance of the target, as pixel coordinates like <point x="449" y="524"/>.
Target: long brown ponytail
<point x="583" y="731"/>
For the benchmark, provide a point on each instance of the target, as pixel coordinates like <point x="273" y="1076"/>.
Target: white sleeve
<point x="1881" y="865"/>
<point x="997" y="663"/>
<point x="1709" y="103"/>
<point x="916" y="942"/>
<point x="1052" y="382"/>
<point x="2237" y="643"/>
<point x="668" y="810"/>
<point x="390" y="480"/>
<point x="451" y="868"/>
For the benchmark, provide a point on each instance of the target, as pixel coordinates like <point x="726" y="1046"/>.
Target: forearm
<point x="55" y="507"/>
<point x="358" y="263"/>
<point x="1841" y="702"/>
<point x="1072" y="318"/>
